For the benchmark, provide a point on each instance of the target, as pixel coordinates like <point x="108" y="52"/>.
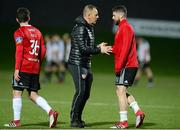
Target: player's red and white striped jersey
<point x="30" y="49"/>
<point x="124" y="47"/>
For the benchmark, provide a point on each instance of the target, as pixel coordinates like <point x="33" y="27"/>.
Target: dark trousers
<point x="82" y="80"/>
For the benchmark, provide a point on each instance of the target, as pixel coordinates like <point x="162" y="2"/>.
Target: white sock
<point x="123" y="116"/>
<point x="134" y="106"/>
<point x="40" y="101"/>
<point x="17" y="106"/>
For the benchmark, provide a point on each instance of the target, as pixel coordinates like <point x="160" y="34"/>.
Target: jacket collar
<point x="122" y="22"/>
<point x="81" y="20"/>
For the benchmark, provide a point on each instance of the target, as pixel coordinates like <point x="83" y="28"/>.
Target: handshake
<point x="104" y="48"/>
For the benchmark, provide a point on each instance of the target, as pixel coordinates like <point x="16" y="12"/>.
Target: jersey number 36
<point x="35" y="47"/>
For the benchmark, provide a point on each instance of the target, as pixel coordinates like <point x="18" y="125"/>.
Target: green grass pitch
<point x="161" y="103"/>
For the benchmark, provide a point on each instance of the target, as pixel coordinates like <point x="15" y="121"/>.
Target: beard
<point x="117" y="22"/>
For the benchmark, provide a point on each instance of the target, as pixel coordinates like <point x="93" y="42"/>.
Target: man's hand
<point x="102" y="44"/>
<point x="16" y="75"/>
<point x="105" y="49"/>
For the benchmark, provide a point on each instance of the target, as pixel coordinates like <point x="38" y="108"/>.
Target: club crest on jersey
<point x="19" y="40"/>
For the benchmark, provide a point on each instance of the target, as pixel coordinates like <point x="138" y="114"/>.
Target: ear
<point x="17" y="20"/>
<point x="121" y="14"/>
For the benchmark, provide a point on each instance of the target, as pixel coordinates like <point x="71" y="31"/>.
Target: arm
<point x="79" y="35"/>
<point x="43" y="50"/>
<point x="18" y="54"/>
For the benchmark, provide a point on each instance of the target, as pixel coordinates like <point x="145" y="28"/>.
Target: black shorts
<point x="143" y="65"/>
<point x="126" y="76"/>
<point x="52" y="64"/>
<point x="27" y="81"/>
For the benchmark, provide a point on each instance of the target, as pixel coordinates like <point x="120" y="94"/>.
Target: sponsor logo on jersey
<point x="18" y="40"/>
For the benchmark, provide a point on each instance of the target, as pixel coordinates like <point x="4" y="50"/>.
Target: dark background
<point x="58" y="16"/>
<point x="63" y="12"/>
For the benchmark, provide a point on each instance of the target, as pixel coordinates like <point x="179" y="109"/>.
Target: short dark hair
<point x="120" y="8"/>
<point x="23" y="14"/>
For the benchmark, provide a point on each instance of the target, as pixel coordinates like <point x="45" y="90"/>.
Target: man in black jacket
<point x="79" y="63"/>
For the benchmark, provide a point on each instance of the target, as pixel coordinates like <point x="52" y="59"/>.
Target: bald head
<point x="87" y="9"/>
<point x="90" y="14"/>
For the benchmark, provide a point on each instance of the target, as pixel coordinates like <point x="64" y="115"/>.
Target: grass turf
<point x="160" y="103"/>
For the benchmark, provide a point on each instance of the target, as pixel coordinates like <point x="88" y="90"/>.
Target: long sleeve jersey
<point x="124" y="47"/>
<point x="30" y="49"/>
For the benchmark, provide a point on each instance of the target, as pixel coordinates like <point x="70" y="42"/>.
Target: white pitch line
<point x="101" y="104"/>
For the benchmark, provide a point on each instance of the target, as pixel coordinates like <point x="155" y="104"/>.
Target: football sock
<point x="48" y="75"/>
<point x="123" y="116"/>
<point x="57" y="74"/>
<point x="134" y="106"/>
<point x="41" y="102"/>
<point x="61" y="76"/>
<point x="150" y="80"/>
<point x="17" y="106"/>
